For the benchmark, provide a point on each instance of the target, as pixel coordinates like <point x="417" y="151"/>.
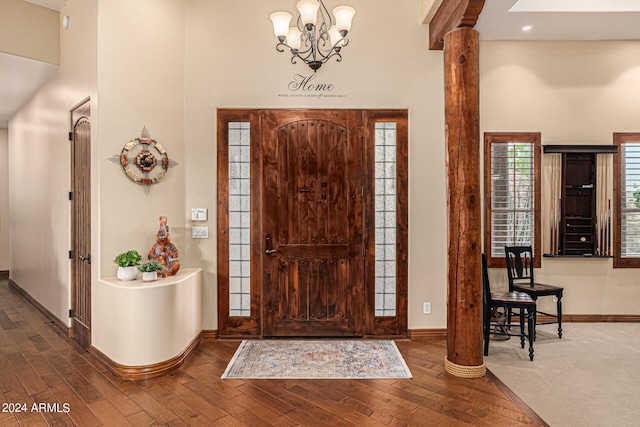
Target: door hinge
<point x="71" y="313"/>
<point x="70" y="136"/>
<point x="70" y="195"/>
<point x="70" y="254"/>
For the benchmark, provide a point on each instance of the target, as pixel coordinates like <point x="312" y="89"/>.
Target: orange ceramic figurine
<point x="165" y="251"/>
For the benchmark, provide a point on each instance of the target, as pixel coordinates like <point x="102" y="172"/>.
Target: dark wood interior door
<point x="312" y="223"/>
<point x="81" y="225"/>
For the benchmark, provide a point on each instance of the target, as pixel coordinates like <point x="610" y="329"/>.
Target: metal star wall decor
<point x="144" y="160"/>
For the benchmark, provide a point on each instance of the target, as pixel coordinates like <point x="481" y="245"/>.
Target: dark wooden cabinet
<point x="578" y="209"/>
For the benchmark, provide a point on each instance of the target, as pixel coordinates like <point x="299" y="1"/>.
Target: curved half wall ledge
<point x="146" y="329"/>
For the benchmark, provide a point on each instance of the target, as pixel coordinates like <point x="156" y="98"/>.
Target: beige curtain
<point x="604" y="193"/>
<point x="552" y="180"/>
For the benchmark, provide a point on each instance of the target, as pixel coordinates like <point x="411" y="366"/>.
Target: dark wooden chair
<point x="520" y="274"/>
<point x="508" y="301"/>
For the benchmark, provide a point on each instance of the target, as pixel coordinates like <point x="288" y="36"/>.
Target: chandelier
<point x="313" y="41"/>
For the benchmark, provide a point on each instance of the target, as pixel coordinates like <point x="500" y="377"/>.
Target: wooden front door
<point x="81" y="225"/>
<point x="312" y="223"/>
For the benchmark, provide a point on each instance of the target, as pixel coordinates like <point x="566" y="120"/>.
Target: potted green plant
<point x="149" y="270"/>
<point x="127" y="262"/>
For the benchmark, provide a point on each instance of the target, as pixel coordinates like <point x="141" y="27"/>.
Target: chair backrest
<point x="486" y="287"/>
<point x="519" y="264"/>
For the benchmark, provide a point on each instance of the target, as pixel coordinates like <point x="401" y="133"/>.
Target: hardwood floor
<point x="39" y="365"/>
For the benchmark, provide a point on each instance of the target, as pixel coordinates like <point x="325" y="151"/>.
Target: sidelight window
<point x="239" y="219"/>
<point x="385" y="218"/>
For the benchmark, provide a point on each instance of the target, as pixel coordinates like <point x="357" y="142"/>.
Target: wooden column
<point x="462" y="133"/>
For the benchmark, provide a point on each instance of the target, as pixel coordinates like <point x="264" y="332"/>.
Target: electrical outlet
<point x="426" y="308"/>
<point x="554" y="298"/>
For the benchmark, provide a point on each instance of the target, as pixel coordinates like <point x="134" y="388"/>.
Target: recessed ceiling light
<point x="527" y="27"/>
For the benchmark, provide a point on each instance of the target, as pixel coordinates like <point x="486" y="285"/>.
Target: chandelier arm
<point x="280" y="48"/>
<point x="304" y="53"/>
<point x="295" y="54"/>
<point x="342" y="42"/>
<point x="301" y="27"/>
<point x="325" y="15"/>
<point x="334" y="53"/>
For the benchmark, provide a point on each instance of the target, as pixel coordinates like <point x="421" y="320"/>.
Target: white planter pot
<point x="127" y="273"/>
<point x="149" y="276"/>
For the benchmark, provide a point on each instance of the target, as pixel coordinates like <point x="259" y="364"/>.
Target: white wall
<point x="573" y="93"/>
<point x="4" y="200"/>
<point x="140" y="81"/>
<point x="39" y="167"/>
<point x="231" y="61"/>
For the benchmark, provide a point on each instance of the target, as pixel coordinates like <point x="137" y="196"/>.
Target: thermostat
<point x="198" y="214"/>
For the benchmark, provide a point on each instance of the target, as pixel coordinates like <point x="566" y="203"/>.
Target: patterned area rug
<point x="307" y="359"/>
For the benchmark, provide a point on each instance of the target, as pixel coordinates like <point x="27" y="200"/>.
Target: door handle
<point x="269" y="245"/>
<point x="87" y="258"/>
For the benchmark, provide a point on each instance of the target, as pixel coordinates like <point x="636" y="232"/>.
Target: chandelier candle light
<point x="311" y="41"/>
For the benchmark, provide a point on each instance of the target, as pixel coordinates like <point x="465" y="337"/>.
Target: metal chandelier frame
<point x="318" y="43"/>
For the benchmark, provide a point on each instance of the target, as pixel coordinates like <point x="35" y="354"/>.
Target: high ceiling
<point x="50" y="4"/>
<point x="21" y="77"/>
<point x="499" y="20"/>
<point x="560" y="20"/>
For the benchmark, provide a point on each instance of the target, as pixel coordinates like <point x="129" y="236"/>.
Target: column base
<point x="465" y="371"/>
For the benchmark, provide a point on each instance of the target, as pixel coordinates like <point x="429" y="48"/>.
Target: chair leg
<point x="486" y="329"/>
<point x="522" y="328"/>
<point x="531" y="324"/>
<point x="559" y="316"/>
<point x="535" y="317"/>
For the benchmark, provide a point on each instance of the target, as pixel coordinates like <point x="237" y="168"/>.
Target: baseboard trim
<point x="428" y="334"/>
<point x="61" y="326"/>
<point x="144" y="372"/>
<point x="601" y="318"/>
<point x="210" y="334"/>
<point x="4" y="274"/>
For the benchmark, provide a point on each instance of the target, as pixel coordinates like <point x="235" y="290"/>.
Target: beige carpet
<point x="590" y="377"/>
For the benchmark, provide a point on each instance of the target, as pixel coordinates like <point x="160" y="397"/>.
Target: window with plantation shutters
<point x="627" y="200"/>
<point x="512" y="195"/>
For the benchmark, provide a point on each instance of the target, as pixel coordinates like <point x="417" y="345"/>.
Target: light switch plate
<point x="198" y="214"/>
<point x="200" y="232"/>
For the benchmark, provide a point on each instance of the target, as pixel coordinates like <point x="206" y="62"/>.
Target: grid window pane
<point x="385" y="219"/>
<point x="512" y="195"/>
<point x="239" y="212"/>
<point x="630" y="198"/>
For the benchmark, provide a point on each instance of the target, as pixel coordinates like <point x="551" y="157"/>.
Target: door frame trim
<point x="251" y="326"/>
